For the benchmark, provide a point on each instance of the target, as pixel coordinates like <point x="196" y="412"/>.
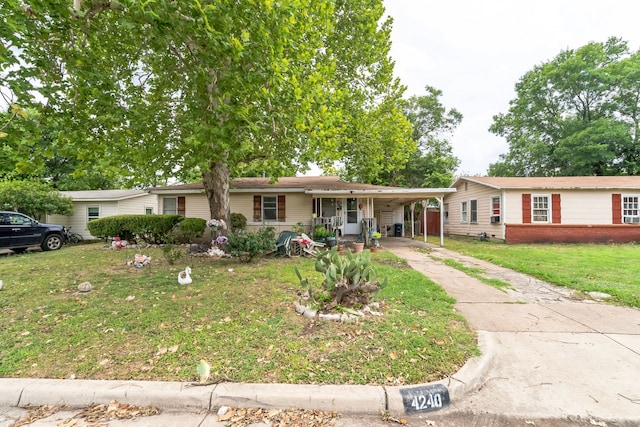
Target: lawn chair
<point x="283" y="244"/>
<point x="309" y="246"/>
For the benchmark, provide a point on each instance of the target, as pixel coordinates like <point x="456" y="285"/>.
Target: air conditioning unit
<point x="495" y="219"/>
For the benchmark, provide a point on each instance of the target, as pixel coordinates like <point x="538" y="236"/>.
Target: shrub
<point x="149" y="228"/>
<point x="247" y="245"/>
<point x="238" y="222"/>
<point x="192" y="228"/>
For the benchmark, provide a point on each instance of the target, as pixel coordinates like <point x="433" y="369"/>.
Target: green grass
<point x="613" y="269"/>
<point x="477" y="273"/>
<point x="240" y="318"/>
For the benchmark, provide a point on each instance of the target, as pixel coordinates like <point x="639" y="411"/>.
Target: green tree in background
<point x="150" y="90"/>
<point x="575" y="115"/>
<point x="431" y="163"/>
<point x="33" y="198"/>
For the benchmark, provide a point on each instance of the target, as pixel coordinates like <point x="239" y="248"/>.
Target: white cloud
<point x="476" y="50"/>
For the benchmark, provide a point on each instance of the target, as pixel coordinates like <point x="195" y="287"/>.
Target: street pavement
<point x="549" y="358"/>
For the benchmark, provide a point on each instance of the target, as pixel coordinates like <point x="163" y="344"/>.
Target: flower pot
<point x="331" y="242"/>
<point x="358" y="247"/>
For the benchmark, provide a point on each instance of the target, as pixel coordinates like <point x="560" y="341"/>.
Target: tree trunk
<point x="216" y="187"/>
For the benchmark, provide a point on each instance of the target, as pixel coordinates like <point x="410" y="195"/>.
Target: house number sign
<point x="425" y="398"/>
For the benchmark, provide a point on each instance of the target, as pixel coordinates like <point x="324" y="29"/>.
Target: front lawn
<point x="613" y="269"/>
<point x="240" y="318"/>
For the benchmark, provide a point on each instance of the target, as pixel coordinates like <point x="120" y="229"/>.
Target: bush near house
<point x="149" y="228"/>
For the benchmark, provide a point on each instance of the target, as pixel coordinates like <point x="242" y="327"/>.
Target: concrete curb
<point x="174" y="396"/>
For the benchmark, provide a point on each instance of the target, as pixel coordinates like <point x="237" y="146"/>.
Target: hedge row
<point x="149" y="228"/>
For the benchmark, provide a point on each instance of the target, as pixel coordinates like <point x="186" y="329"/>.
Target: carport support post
<point x="424" y="219"/>
<point x="413" y="209"/>
<point x="441" y="205"/>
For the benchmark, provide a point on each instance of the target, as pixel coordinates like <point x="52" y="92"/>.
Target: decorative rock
<point x="84" y="287"/>
<point x="598" y="295"/>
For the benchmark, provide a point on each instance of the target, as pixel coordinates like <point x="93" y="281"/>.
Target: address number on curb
<point x="425" y="398"/>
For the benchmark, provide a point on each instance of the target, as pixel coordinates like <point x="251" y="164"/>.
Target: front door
<point x="352" y="224"/>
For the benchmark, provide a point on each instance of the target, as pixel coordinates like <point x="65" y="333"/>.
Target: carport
<point x="392" y="198"/>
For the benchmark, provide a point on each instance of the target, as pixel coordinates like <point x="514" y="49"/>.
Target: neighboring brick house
<point x="545" y="209"/>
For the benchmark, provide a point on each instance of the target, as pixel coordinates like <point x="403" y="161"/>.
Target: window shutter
<point x="616" y="208"/>
<point x="556" y="213"/>
<point x="182" y="206"/>
<point x="313" y="206"/>
<point x="282" y="215"/>
<point x="526" y="208"/>
<point x="257" y="208"/>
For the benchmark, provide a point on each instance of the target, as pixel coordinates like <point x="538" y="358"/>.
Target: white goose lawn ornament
<point x="184" y="277"/>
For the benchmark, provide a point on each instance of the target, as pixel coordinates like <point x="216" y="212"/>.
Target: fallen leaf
<point x="393" y="356"/>
<point x="130" y="298"/>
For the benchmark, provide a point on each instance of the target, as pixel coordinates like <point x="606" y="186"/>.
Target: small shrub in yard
<point x="238" y="222"/>
<point x="192" y="228"/>
<point x="171" y="253"/>
<point x="248" y="245"/>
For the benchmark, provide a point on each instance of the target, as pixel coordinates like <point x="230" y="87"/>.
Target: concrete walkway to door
<point x="554" y="355"/>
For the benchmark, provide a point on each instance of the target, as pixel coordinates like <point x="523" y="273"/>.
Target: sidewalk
<point x="553" y="355"/>
<point x="545" y="355"/>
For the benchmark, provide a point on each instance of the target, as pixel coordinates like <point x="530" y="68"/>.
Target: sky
<point x="475" y="51"/>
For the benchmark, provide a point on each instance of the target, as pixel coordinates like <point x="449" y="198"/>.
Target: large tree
<point x="574" y="115"/>
<point x="431" y="163"/>
<point x="210" y="87"/>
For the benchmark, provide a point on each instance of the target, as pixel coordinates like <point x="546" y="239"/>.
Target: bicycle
<point x="72" y="238"/>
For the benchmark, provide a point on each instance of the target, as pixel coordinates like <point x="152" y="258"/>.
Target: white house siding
<point x="137" y="205"/>
<point x="468" y="191"/>
<point x="582" y="207"/>
<point x="78" y="221"/>
<point x="197" y="206"/>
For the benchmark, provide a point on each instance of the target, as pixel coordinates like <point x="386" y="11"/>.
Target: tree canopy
<point x="577" y="114"/>
<point x="33" y="198"/>
<point x="211" y="88"/>
<point x="431" y="163"/>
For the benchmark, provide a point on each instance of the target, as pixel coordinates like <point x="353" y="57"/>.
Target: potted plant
<point x="331" y="239"/>
<point x="375" y="242"/>
<point x="319" y="233"/>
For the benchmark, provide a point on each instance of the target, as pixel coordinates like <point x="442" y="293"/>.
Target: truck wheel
<point x="52" y="242"/>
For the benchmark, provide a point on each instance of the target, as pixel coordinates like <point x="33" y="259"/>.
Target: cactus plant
<point x="348" y="280"/>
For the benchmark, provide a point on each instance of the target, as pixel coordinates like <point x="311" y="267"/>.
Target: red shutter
<point x="526" y="208"/>
<point x="282" y="215"/>
<point x="616" y="208"/>
<point x="556" y="212"/>
<point x="257" y="208"/>
<point x="313" y="206"/>
<point x="182" y="206"/>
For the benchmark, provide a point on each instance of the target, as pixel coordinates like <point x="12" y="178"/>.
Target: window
<point x="269" y="208"/>
<point x="464" y="212"/>
<point x="630" y="210"/>
<point x="540" y="208"/>
<point x="93" y="212"/>
<point x="446" y="213"/>
<point x="174" y="206"/>
<point x="473" y="204"/>
<point x="495" y="209"/>
<point x="148" y="210"/>
<point x="170" y="205"/>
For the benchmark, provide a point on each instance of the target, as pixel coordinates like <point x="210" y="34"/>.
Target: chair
<point x="337" y="225"/>
<point x="283" y="244"/>
<point x="309" y="246"/>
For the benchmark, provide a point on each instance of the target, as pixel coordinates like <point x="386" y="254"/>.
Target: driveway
<point x="554" y="355"/>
